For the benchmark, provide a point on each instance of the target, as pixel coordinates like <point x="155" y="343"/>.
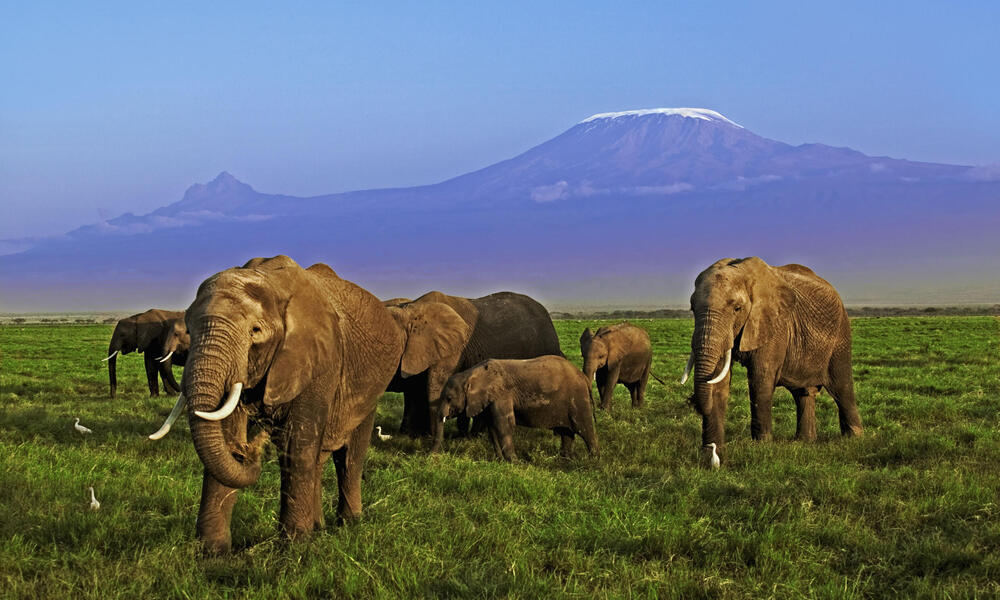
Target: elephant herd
<point x="299" y="357"/>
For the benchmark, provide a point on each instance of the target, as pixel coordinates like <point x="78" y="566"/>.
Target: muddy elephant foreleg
<point x="842" y="389"/>
<point x="318" y="521"/>
<point x="167" y="374"/>
<point x="215" y="514"/>
<point x="350" y="463"/>
<point x="301" y="469"/>
<point x="216" y="509"/>
<point x="761" y="384"/>
<point x="805" y="414"/>
<point x="152" y="373"/>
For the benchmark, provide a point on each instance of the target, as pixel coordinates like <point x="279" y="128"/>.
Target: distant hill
<point x="622" y="209"/>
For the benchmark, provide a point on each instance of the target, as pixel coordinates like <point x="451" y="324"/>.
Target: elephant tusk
<point x="227" y="408"/>
<point x="167" y="357"/>
<point x="687" y="369"/>
<point x="725" y="369"/>
<point x="174" y="413"/>
<point x="110" y="356"/>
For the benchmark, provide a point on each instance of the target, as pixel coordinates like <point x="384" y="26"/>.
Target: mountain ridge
<point x="666" y="192"/>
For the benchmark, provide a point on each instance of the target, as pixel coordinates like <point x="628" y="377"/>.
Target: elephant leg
<point x="318" y="521"/>
<point x="406" y="425"/>
<point x="495" y="438"/>
<point x="462" y="422"/>
<point x="350" y="463"/>
<point x="842" y="389"/>
<point x="608" y="390"/>
<point x="643" y="380"/>
<point x="167" y="375"/>
<point x="300" y="453"/>
<point x="504" y="424"/>
<point x="566" y="448"/>
<point x="632" y="389"/>
<point x="152" y="373"/>
<point x="214" y="515"/>
<point x="761" y="384"/>
<point x="805" y="413"/>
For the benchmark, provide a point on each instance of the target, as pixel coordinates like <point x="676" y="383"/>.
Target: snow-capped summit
<point x="690" y="113"/>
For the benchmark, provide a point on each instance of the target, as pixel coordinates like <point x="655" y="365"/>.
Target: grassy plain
<point x="910" y="510"/>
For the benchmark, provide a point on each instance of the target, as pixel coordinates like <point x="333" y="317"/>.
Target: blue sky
<point x="121" y="106"/>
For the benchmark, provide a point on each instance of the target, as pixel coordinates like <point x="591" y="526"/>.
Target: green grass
<point x="909" y="510"/>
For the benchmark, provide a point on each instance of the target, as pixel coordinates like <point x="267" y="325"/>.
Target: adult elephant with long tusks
<point x="447" y="334"/>
<point x="145" y="333"/>
<point x="301" y="352"/>
<point x="788" y="327"/>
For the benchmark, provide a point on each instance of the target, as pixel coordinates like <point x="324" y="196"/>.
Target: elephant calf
<point x="547" y="392"/>
<point x="620" y="353"/>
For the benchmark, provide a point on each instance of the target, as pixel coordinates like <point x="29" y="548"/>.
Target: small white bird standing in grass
<point x="385" y="437"/>
<point x="94" y="504"/>
<point x="714" y="462"/>
<point x="81" y="428"/>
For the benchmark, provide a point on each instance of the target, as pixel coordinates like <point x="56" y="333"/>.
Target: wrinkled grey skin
<point x="788" y="327"/>
<point x="313" y="352"/>
<point x="547" y="392"/>
<point x="145" y="333"/>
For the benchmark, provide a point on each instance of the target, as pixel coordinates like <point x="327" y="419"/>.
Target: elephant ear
<point x="477" y="390"/>
<point x="766" y="292"/>
<point x="585" y="339"/>
<point x="310" y="346"/>
<point x="433" y="331"/>
<point x="146" y="334"/>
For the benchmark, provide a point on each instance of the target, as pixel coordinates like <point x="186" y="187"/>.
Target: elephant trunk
<point x="711" y="343"/>
<point x="113" y="375"/>
<point x="206" y="380"/>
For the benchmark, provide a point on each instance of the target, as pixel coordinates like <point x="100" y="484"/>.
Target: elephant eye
<point x="255" y="329"/>
<point x="737" y="308"/>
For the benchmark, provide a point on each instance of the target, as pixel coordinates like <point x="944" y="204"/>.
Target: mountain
<point x="622" y="208"/>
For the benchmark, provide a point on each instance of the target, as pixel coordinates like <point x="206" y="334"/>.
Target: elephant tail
<point x="654" y="376"/>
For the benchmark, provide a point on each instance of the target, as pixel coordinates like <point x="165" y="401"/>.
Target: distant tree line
<point x="864" y="311"/>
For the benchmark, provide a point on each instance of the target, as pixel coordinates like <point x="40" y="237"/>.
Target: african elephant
<point x="145" y="333"/>
<point x="619" y="353"/>
<point x="547" y="392"/>
<point x="787" y="326"/>
<point x="447" y="334"/>
<point x="310" y="354"/>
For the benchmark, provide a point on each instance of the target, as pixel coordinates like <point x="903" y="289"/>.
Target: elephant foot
<point x="854" y="431"/>
<point x="216" y="546"/>
<point x="348" y="519"/>
<point x="295" y="532"/>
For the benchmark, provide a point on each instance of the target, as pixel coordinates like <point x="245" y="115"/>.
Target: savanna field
<point x="909" y="510"/>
